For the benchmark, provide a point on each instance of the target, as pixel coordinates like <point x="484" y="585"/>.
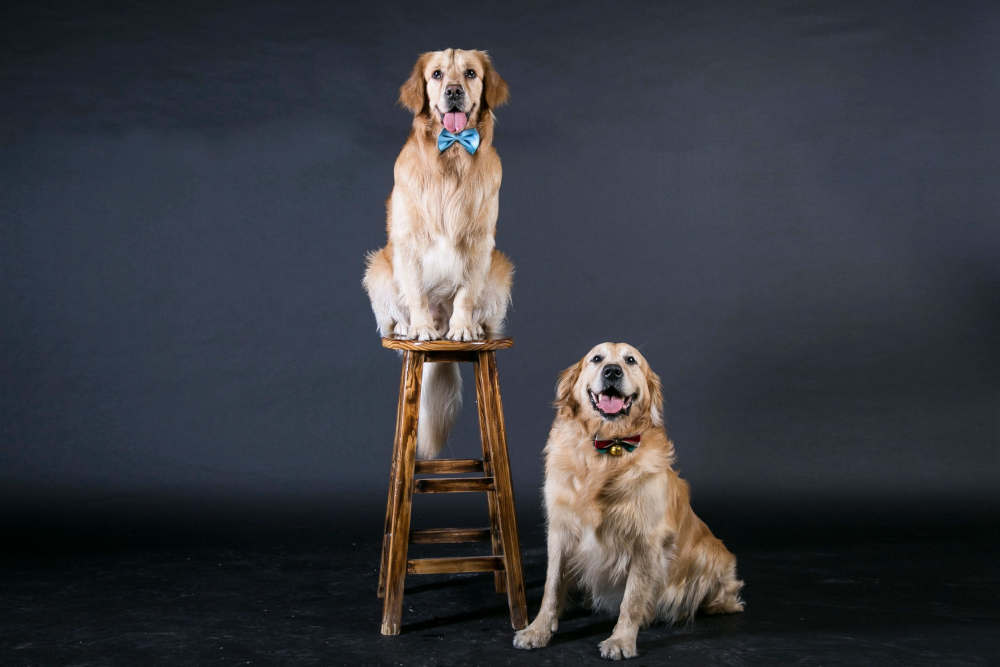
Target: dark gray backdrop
<point x="791" y="208"/>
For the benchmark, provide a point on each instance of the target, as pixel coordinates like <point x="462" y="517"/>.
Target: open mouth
<point x="611" y="403"/>
<point x="454" y="121"/>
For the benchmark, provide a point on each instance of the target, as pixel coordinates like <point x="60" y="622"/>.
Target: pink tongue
<point x="454" y="121"/>
<point x="610" y="404"/>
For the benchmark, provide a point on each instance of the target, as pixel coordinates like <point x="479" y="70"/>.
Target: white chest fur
<point x="601" y="534"/>
<point x="443" y="267"/>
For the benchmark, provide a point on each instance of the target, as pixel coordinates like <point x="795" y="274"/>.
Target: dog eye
<point x="436" y="74"/>
<point x="596" y="359"/>
<point x="470" y="74"/>
<point x="630" y="360"/>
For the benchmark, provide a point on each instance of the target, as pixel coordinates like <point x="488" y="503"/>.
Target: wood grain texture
<point x="447" y="466"/>
<point x="383" y="560"/>
<point x="487" y="375"/>
<point x="396" y="565"/>
<point x="447" y="345"/>
<point x="449" y="535"/>
<point x="454" y="485"/>
<point x="505" y="561"/>
<point x="454" y="565"/>
<point x="499" y="578"/>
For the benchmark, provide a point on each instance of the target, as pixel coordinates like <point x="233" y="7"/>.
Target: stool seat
<point x="396" y="343"/>
<point x="494" y="480"/>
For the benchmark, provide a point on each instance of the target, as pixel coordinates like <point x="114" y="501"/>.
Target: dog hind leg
<point x="495" y="298"/>
<point x="725" y="599"/>
<point x="390" y="315"/>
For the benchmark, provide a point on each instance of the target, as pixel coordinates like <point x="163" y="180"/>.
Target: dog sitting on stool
<point x="439" y="274"/>
<point x="620" y="523"/>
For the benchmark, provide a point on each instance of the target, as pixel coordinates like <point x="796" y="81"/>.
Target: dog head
<point x="612" y="383"/>
<point x="455" y="88"/>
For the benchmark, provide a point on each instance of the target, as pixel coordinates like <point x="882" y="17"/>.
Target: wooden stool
<point x="505" y="562"/>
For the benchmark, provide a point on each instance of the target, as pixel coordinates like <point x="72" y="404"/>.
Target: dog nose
<point x="612" y="372"/>
<point x="454" y="92"/>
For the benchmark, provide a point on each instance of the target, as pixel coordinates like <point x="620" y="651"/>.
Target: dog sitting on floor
<point x="439" y="274"/>
<point x="620" y="523"/>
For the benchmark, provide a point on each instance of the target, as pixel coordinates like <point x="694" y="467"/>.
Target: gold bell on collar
<point x="617" y="446"/>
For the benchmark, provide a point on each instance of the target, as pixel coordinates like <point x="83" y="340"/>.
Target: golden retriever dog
<point x="439" y="274"/>
<point x="620" y="523"/>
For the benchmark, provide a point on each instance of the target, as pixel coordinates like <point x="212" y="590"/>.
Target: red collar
<point x="617" y="446"/>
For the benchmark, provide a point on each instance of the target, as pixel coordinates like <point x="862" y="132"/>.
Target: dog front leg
<point x="546" y="622"/>
<point x="636" y="611"/>
<point x="462" y="325"/>
<point x="409" y="278"/>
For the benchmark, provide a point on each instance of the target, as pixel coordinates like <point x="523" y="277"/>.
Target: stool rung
<point x="454" y="565"/>
<point x="445" y="466"/>
<point x="453" y="485"/>
<point x="449" y="535"/>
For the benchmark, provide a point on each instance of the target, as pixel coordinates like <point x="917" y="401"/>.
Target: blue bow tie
<point x="468" y="138"/>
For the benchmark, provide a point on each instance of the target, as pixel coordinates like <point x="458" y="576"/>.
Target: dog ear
<point x="565" y="403"/>
<point x="655" y="397"/>
<point x="495" y="91"/>
<point x="413" y="93"/>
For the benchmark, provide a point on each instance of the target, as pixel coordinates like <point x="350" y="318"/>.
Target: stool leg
<point x="399" y="530"/>
<point x="392" y="481"/>
<point x="499" y="578"/>
<point x="487" y="377"/>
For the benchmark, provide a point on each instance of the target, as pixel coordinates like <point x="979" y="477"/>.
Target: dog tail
<point x="440" y="400"/>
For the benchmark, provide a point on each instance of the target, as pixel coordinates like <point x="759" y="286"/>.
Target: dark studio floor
<point x="923" y="596"/>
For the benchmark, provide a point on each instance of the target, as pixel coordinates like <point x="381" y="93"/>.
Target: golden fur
<point x="439" y="274"/>
<point x="622" y="528"/>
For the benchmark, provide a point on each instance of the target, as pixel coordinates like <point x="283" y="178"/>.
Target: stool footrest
<point x="454" y="565"/>
<point x="453" y="485"/>
<point x="446" y="466"/>
<point x="449" y="535"/>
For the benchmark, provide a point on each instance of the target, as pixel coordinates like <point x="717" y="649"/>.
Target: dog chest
<point x="443" y="265"/>
<point x="601" y="565"/>
<point x="606" y="521"/>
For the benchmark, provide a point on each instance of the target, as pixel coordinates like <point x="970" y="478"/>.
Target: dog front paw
<point x="422" y="332"/>
<point x="616" y="648"/>
<point x="464" y="330"/>
<point x="422" y="329"/>
<point x="536" y="635"/>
